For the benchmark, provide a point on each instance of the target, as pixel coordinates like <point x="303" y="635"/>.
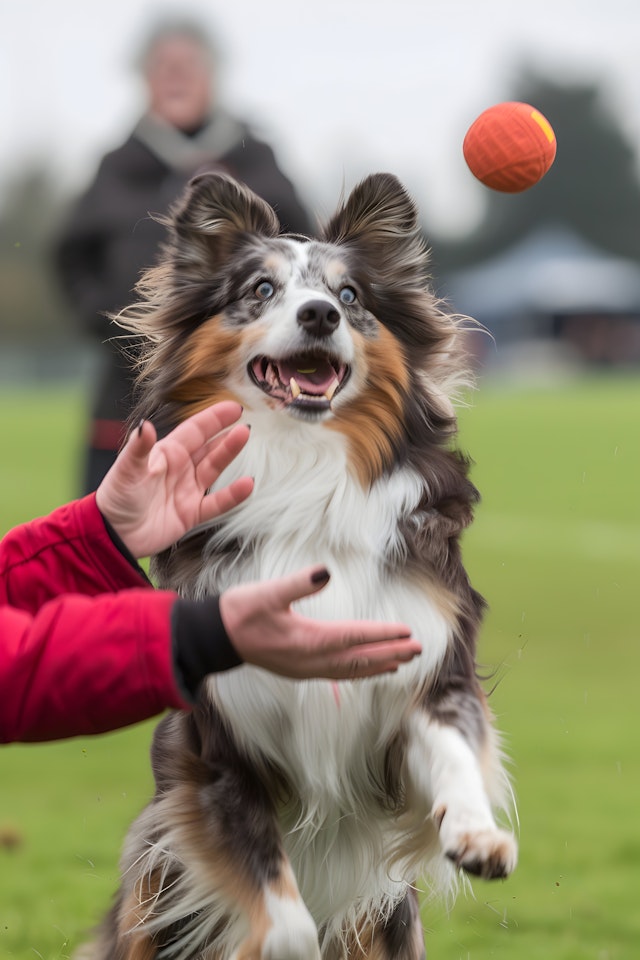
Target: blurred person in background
<point x="110" y="236"/>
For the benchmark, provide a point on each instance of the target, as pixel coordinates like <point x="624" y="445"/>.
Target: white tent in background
<point x="551" y="272"/>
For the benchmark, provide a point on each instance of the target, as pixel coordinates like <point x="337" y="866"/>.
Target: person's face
<point x="179" y="80"/>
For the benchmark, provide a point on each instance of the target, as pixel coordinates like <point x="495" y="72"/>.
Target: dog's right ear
<point x="214" y="214"/>
<point x="379" y="220"/>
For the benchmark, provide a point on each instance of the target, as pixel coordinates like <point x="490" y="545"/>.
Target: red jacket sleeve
<point x="77" y="656"/>
<point x="68" y="551"/>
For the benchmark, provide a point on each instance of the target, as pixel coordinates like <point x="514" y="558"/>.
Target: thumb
<point x="302" y="583"/>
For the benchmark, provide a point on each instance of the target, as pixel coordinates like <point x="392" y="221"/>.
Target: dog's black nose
<point x="318" y="317"/>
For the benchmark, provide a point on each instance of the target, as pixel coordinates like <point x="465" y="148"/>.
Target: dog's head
<point x="342" y="330"/>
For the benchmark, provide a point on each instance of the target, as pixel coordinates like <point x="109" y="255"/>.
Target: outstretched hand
<point x="267" y="633"/>
<point x="156" y="491"/>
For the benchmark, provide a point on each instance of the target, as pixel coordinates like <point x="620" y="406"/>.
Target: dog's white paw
<point x="283" y="930"/>
<point x="484" y="851"/>
<point x="293" y="935"/>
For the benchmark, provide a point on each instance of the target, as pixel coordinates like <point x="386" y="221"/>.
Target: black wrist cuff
<point x="122" y="547"/>
<point x="201" y="644"/>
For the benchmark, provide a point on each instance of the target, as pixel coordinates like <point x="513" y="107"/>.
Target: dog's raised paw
<point x="490" y="854"/>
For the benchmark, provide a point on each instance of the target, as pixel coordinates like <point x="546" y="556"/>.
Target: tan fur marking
<point x="367" y="943"/>
<point x="335" y="270"/>
<point x="285" y="886"/>
<point x="372" y="422"/>
<point x="251" y="948"/>
<point x="277" y="263"/>
<point x="204" y="848"/>
<point x="210" y="360"/>
<point x="446" y="602"/>
<point x="200" y="847"/>
<point x="137" y="944"/>
<point x="361" y="944"/>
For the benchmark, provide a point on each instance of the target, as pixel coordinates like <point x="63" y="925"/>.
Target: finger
<point x="139" y="445"/>
<point x="199" y="428"/>
<point x="372" y="668"/>
<point x="349" y="635"/>
<point x="219" y="501"/>
<point x="219" y="454"/>
<point x="382" y="658"/>
<point x="401" y="650"/>
<point x="295" y="586"/>
<point x="358" y="670"/>
<point x="206" y="450"/>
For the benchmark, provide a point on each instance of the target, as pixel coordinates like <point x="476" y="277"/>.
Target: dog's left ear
<point x="380" y="220"/>
<point x="212" y="217"/>
<point x="213" y="201"/>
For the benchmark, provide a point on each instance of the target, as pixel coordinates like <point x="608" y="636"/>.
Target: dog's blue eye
<point x="264" y="290"/>
<point x="347" y="295"/>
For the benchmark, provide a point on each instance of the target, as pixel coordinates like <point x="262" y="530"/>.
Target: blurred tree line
<point x="31" y="305"/>
<point x="593" y="187"/>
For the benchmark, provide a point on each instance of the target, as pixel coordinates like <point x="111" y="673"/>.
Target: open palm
<point x="157" y="489"/>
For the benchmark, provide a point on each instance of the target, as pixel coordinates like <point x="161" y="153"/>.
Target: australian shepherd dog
<point x="296" y="820"/>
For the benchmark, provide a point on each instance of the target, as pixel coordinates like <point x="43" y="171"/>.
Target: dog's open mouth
<point x="308" y="381"/>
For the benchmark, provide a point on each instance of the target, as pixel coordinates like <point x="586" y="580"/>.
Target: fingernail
<point x="320" y="576"/>
<point x="140" y="426"/>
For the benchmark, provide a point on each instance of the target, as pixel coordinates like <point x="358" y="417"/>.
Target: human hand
<point x="266" y="632"/>
<point x="156" y="491"/>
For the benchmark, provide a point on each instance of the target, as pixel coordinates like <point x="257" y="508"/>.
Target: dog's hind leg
<point x="398" y="936"/>
<point x="401" y="937"/>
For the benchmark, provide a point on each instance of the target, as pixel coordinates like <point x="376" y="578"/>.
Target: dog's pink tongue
<point x="312" y="376"/>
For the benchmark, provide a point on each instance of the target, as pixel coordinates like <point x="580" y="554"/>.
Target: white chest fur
<point x="308" y="508"/>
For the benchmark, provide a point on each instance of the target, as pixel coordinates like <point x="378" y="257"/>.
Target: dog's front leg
<point x="206" y="877"/>
<point x="445" y="767"/>
<point x="269" y="919"/>
<point x="240" y="849"/>
<point x="280" y="926"/>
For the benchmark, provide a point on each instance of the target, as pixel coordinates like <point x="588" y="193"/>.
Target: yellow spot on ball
<point x="544" y="125"/>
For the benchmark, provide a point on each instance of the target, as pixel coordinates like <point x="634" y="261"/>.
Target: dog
<point x="294" y="820"/>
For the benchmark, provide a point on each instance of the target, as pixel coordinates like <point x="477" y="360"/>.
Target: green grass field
<point x="556" y="551"/>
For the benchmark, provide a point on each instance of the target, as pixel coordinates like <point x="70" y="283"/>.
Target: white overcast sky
<point x="340" y="87"/>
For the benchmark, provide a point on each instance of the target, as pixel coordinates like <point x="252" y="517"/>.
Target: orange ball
<point x="510" y="147"/>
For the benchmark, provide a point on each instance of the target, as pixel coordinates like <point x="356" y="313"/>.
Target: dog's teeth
<point x="331" y="389"/>
<point x="271" y="376"/>
<point x="295" y="389"/>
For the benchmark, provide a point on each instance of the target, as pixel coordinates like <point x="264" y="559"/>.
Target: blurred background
<point x="340" y="90"/>
<point x="324" y="93"/>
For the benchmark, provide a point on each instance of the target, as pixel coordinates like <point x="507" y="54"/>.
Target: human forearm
<point x="84" y="665"/>
<point x="67" y="551"/>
